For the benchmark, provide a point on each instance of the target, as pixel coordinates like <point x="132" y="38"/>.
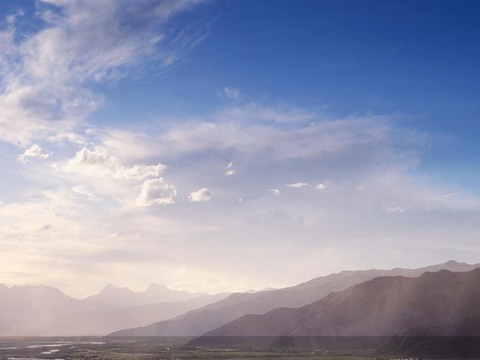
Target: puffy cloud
<point x="156" y="192"/>
<point x="35" y="151"/>
<point x="99" y="163"/>
<point x="321" y="186"/>
<point x="200" y="195"/>
<point x="297" y="185"/>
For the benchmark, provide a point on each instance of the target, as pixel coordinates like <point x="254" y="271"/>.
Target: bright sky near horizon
<point x="230" y="145"/>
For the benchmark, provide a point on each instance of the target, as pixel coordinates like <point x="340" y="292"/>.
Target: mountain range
<point x="200" y="321"/>
<point x="159" y="311"/>
<point x="46" y="311"/>
<point x="384" y="306"/>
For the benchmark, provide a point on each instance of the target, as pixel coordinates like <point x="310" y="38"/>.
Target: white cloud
<point x="395" y="209"/>
<point x="132" y="146"/>
<point x="35" y="151"/>
<point x="274" y="115"/>
<point x="200" y="195"/>
<point x="46" y="77"/>
<point x="68" y="137"/>
<point x="362" y="138"/>
<point x="321" y="186"/>
<point x="156" y="192"/>
<point x="230" y="93"/>
<point x="99" y="163"/>
<point x="229" y="171"/>
<point x="297" y="185"/>
<point x="275" y="192"/>
<point x="84" y="191"/>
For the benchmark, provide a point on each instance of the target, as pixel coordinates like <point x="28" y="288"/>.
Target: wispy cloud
<point x="297" y="185"/>
<point x="254" y="112"/>
<point x="48" y="78"/>
<point x="351" y="136"/>
<point x="229" y="171"/>
<point x="68" y="137"/>
<point x="229" y="93"/>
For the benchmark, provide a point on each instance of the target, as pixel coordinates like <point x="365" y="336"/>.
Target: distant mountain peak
<point x="156" y="286"/>
<point x="453" y="262"/>
<point x="110" y="288"/>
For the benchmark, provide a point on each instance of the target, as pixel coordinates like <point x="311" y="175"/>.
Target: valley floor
<point x="143" y="348"/>
<point x="20" y="348"/>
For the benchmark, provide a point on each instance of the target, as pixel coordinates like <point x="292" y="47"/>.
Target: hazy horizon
<point x="221" y="146"/>
<point x="145" y="289"/>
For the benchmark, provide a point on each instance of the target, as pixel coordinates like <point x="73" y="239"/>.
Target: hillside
<point x="198" y="322"/>
<point x="384" y="306"/>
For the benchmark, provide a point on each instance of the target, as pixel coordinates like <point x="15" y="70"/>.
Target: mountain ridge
<point x="214" y="315"/>
<point x="383" y="306"/>
<point x="41" y="310"/>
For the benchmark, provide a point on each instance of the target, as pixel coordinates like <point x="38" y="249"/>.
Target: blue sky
<point x="228" y="145"/>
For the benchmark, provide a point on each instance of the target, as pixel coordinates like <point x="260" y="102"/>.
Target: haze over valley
<point x="158" y="311"/>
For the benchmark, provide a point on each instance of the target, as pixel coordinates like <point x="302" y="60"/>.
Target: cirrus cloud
<point x="48" y="77"/>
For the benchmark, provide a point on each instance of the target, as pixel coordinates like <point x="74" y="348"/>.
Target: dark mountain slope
<point x="383" y="306"/>
<point x="200" y="321"/>
<point x="460" y="340"/>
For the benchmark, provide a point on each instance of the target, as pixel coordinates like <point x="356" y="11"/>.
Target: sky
<point x="230" y="145"/>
